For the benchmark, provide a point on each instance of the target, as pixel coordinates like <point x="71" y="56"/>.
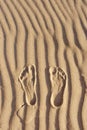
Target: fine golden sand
<point x="43" y="64"/>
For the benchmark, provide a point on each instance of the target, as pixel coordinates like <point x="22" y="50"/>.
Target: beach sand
<point x="43" y="64"/>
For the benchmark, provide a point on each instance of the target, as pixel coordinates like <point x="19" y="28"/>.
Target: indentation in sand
<point x="57" y="79"/>
<point x="27" y="79"/>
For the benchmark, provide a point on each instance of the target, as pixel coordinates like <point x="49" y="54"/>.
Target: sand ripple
<point x="44" y="33"/>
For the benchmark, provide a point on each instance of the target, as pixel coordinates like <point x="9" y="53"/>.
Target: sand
<point x="43" y="64"/>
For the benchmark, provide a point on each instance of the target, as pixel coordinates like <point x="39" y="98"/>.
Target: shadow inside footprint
<point x="33" y="100"/>
<point x="27" y="79"/>
<point x="58" y="81"/>
<point x="59" y="98"/>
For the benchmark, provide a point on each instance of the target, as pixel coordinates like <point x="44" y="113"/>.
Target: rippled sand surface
<point x="43" y="64"/>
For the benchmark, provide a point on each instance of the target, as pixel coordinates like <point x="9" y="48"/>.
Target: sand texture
<point x="43" y="64"/>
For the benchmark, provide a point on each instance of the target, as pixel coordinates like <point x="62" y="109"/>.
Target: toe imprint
<point x="57" y="79"/>
<point x="27" y="79"/>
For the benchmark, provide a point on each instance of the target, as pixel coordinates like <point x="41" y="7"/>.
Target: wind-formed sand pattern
<point x="45" y="34"/>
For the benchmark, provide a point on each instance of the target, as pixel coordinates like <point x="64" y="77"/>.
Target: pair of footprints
<point x="28" y="80"/>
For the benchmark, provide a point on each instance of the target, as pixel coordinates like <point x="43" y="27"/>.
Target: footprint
<point x="27" y="79"/>
<point x="58" y="81"/>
